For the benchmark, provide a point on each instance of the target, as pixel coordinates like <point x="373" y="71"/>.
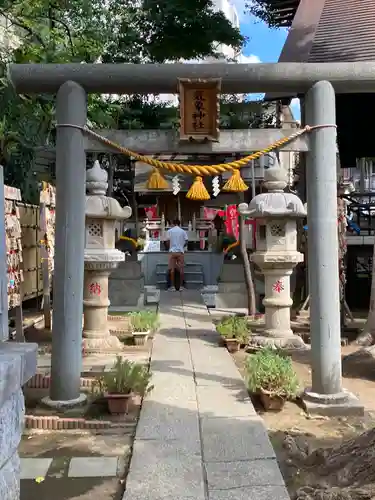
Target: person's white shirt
<point x="177" y="239"/>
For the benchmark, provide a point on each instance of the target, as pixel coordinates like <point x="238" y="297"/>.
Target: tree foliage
<point x="87" y="31"/>
<point x="265" y="10"/>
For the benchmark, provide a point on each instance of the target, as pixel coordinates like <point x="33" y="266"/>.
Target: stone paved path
<point x="198" y="436"/>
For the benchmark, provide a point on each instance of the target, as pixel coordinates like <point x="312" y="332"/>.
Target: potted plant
<point x="243" y="337"/>
<point x="152" y="318"/>
<point x="234" y="331"/>
<point x="126" y="379"/>
<point x="270" y="374"/>
<point x="231" y="342"/>
<point x="142" y="323"/>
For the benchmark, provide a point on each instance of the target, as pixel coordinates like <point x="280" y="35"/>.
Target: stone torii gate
<point x="317" y="82"/>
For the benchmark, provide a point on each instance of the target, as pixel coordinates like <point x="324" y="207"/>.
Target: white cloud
<point x="251" y="59"/>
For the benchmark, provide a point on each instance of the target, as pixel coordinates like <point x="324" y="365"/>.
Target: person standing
<point x="178" y="239"/>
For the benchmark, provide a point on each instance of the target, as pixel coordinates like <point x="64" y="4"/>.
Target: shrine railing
<point x="198" y="231"/>
<point x="361" y="213"/>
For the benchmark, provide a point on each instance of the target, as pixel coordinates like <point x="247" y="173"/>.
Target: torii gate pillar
<point x="326" y="395"/>
<point x="66" y="360"/>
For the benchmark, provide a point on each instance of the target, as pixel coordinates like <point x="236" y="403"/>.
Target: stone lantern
<point x="276" y="254"/>
<point x="101" y="258"/>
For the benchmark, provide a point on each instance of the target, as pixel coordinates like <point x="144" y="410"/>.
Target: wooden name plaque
<point x="199" y="109"/>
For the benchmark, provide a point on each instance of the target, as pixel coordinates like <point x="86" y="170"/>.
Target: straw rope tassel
<point x="198" y="190"/>
<point x="235" y="183"/>
<point x="156" y="180"/>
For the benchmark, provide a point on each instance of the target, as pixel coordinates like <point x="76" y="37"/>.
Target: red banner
<point x="231" y="220"/>
<point x="151" y="212"/>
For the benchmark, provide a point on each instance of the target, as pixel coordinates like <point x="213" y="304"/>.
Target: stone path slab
<point x="32" y="468"/>
<point x="198" y="436"/>
<point x="246" y="474"/>
<point x="77" y="467"/>
<point x="93" y="467"/>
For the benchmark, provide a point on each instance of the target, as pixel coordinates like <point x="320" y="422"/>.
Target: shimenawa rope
<point x="198" y="190"/>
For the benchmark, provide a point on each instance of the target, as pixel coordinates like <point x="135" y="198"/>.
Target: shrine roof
<point x="331" y="31"/>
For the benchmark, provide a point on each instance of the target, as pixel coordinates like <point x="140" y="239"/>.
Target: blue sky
<point x="264" y="44"/>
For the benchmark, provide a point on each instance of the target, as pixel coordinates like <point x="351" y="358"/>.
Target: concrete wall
<point x="125" y="284"/>
<point x="17" y="365"/>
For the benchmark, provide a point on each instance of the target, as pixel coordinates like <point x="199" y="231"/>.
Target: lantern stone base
<point x="289" y="342"/>
<point x="97" y="338"/>
<point x="101" y="345"/>
<point x="343" y="404"/>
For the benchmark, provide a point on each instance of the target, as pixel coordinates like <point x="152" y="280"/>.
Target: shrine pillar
<point x="326" y="395"/>
<point x="66" y="363"/>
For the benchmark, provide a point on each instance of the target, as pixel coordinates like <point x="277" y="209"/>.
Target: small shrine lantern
<point x="101" y="258"/>
<point x="276" y="255"/>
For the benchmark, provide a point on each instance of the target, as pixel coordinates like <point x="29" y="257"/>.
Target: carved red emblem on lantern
<point x="278" y="286"/>
<point x="95" y="289"/>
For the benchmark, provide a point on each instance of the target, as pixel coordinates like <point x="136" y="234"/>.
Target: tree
<point x="265" y="10"/>
<point x="86" y="31"/>
<point x="250" y="288"/>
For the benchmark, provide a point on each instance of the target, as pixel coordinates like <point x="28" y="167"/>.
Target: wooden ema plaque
<point x="199" y="109"/>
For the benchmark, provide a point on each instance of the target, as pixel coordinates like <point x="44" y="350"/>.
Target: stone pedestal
<point x="101" y="258"/>
<point x="276" y="254"/>
<point x="277" y="303"/>
<point x="18" y="364"/>
<point x="126" y="286"/>
<point x="96" y="335"/>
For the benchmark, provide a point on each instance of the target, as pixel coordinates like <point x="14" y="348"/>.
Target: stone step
<point x="188" y="266"/>
<point x="186" y="273"/>
<point x="193" y="285"/>
<point x="186" y="263"/>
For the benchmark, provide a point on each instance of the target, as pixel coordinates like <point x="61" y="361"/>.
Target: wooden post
<point x="179" y="207"/>
<point x="45" y="268"/>
<point x="250" y="288"/>
<point x="20" y="336"/>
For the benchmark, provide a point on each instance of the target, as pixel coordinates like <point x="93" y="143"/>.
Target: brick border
<point x="42" y="381"/>
<point x="52" y="423"/>
<point x="118" y="317"/>
<point x="118" y="331"/>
